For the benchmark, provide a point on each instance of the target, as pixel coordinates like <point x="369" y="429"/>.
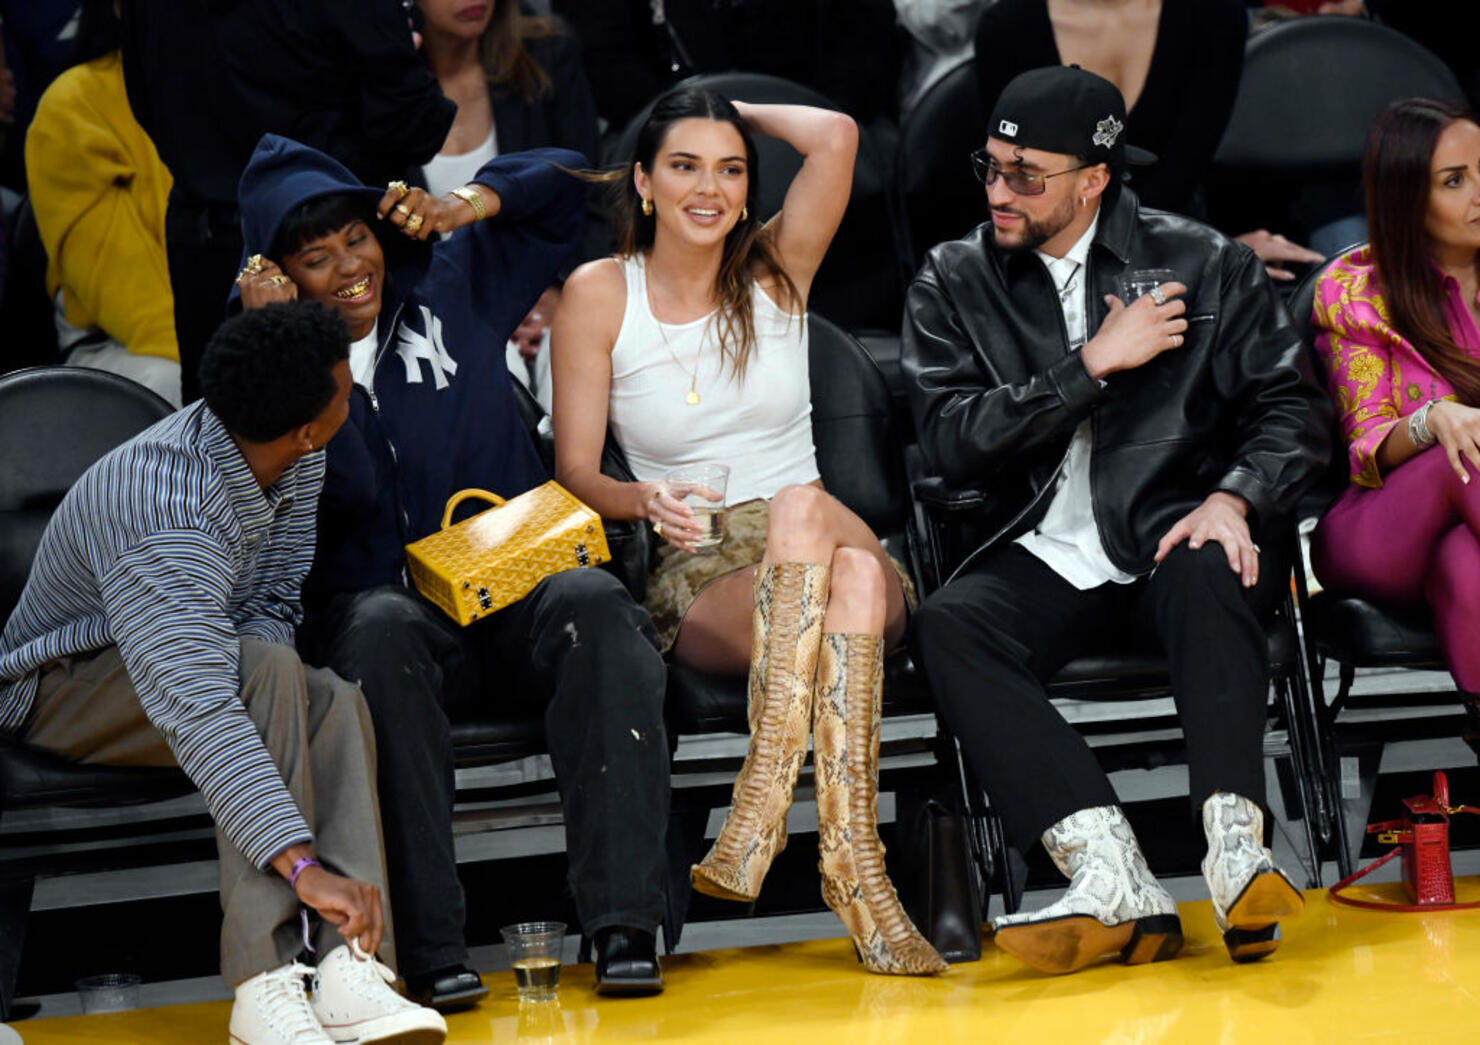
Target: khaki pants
<point x="318" y="731"/>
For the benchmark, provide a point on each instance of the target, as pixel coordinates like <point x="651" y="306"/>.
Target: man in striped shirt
<point x="156" y="628"/>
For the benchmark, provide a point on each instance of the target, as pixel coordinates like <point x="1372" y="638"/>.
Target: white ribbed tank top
<point x="760" y="426"/>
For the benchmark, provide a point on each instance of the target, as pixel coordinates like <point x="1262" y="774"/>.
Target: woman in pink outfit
<point x="1399" y="331"/>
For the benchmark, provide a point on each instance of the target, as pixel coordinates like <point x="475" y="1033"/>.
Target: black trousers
<point x="992" y="638"/>
<point x="203" y="248"/>
<point x="579" y="645"/>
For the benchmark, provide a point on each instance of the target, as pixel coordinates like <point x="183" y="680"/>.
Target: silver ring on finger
<point x="1176" y="340"/>
<point x="1157" y="296"/>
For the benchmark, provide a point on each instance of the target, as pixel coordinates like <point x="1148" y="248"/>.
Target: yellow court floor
<point x="1341" y="975"/>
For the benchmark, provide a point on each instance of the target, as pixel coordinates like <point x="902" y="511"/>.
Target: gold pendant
<point x="692" y="398"/>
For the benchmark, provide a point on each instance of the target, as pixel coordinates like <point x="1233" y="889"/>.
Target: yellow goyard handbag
<point x="496" y="557"/>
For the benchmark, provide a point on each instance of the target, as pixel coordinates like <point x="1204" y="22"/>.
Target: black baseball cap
<point x="1063" y="108"/>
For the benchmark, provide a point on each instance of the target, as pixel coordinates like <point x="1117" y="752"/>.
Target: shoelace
<point x="373" y="970"/>
<point x="286" y="1003"/>
<point x="380" y="967"/>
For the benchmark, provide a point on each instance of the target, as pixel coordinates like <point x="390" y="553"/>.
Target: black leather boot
<point x="627" y="962"/>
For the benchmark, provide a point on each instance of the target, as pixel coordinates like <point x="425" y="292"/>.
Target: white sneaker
<point x="272" y="1009"/>
<point x="355" y="1002"/>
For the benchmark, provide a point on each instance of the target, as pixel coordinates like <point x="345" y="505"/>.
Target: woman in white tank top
<point x="692" y="344"/>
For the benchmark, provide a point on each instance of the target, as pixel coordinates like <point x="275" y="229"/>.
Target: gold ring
<point x="413" y="223"/>
<point x="658" y="528"/>
<point x="401" y="208"/>
<point x="255" y="263"/>
<point x="277" y="279"/>
<point x="400" y="186"/>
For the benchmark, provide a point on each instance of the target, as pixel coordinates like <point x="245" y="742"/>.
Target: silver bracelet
<point x="1418" y="426"/>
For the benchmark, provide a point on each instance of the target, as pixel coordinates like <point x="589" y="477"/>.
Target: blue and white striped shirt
<point x="170" y="549"/>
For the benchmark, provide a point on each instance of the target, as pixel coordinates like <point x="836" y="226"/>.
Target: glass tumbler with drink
<point x="702" y="488"/>
<point x="1136" y="282"/>
<point x="534" y="952"/>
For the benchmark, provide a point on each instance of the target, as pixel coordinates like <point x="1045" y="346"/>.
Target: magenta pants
<point x="1414" y="540"/>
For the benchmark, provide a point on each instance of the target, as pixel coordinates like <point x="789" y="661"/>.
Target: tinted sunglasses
<point x="1024" y="183"/>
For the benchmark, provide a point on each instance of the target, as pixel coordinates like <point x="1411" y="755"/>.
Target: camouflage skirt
<point x="681" y="576"/>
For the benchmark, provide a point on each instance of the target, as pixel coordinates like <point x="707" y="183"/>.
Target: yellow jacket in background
<point x="99" y="190"/>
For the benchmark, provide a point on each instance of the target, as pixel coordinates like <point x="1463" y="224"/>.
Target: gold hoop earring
<point x="745" y="213"/>
<point x="647" y="206"/>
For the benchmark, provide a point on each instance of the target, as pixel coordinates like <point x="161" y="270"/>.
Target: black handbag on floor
<point x="938" y="883"/>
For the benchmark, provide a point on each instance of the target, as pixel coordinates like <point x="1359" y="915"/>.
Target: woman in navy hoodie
<point x="433" y="413"/>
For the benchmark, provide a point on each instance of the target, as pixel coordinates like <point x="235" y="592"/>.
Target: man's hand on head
<point x="1222" y="517"/>
<point x="1133" y="335"/>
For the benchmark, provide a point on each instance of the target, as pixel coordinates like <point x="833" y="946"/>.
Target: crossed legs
<point x="820" y="607"/>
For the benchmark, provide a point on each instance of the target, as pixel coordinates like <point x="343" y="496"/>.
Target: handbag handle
<point x="463" y="495"/>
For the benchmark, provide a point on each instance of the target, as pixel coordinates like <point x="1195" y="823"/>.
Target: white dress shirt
<point x="1067" y="539"/>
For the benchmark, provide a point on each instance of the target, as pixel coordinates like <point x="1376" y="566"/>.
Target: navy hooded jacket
<point x="441" y="416"/>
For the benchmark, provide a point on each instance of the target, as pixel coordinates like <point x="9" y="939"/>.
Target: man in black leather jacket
<point x="1133" y="452"/>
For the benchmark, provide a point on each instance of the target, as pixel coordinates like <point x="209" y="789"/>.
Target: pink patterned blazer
<point x="1375" y="376"/>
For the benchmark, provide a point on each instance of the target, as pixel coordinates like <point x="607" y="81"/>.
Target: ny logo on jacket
<point x="413" y="347"/>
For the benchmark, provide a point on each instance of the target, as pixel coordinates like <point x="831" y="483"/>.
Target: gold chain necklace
<point x="692" y="396"/>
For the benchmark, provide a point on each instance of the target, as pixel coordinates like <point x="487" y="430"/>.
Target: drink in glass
<point x="1136" y="282"/>
<point x="702" y="488"/>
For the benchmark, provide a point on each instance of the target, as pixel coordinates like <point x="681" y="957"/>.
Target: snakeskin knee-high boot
<point x="845" y="756"/>
<point x="790" y="600"/>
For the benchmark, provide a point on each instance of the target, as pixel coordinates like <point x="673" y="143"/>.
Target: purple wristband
<point x="299" y="866"/>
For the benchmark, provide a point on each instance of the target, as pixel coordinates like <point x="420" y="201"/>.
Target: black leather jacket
<point x="997" y="394"/>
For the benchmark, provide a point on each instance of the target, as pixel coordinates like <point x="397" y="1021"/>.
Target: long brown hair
<point x="1395" y="171"/>
<point x="505" y="58"/>
<point x="746" y="249"/>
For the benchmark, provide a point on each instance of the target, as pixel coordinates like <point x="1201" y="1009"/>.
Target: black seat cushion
<point x="32" y="777"/>
<point x="1112" y="673"/>
<point x="699" y="702"/>
<point x="1365" y="635"/>
<point x="516" y="733"/>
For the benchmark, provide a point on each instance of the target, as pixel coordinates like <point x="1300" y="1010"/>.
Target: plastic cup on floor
<point x="110" y="992"/>
<point x="534" y="952"/>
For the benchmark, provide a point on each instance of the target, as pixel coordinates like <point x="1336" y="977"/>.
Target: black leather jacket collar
<point x="997" y="393"/>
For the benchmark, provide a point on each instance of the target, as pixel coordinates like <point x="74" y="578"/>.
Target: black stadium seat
<point x="54" y="423"/>
<point x="939" y="198"/>
<point x="1311" y="88"/>
<point x="27" y="315"/>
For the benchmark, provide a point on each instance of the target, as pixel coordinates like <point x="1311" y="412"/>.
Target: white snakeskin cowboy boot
<point x="790" y="601"/>
<point x="1113" y="904"/>
<point x="1250" y="894"/>
<point x="845" y="757"/>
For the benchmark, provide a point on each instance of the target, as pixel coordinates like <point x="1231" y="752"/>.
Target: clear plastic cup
<point x="702" y="488"/>
<point x="534" y="953"/>
<point x="109" y="992"/>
